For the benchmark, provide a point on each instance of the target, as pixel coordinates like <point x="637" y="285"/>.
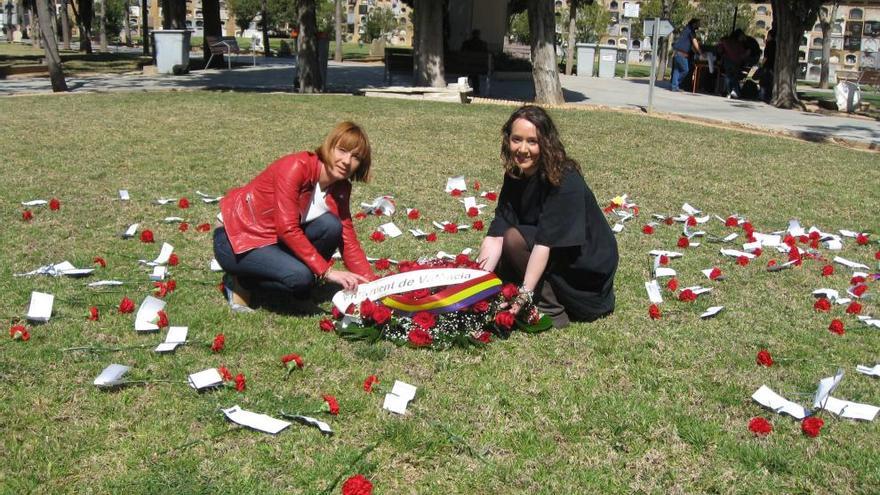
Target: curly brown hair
<point x="552" y="161"/>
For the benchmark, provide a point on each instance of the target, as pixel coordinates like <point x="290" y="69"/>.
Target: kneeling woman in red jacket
<point x="281" y="229"/>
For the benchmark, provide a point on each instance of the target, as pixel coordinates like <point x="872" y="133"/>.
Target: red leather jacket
<point x="269" y="208"/>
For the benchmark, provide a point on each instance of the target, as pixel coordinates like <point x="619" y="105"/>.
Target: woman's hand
<point x="348" y="280"/>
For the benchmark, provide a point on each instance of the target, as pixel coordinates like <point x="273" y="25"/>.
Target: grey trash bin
<point x="607" y="61"/>
<point x="586" y="55"/>
<point x="171" y="48"/>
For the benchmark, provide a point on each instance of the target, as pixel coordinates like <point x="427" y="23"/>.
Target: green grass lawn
<point x="622" y="405"/>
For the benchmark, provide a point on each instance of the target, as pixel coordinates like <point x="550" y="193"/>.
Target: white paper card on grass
<point x="418" y="233"/>
<point x="617" y="228"/>
<point x="827" y="293"/>
<point x="867" y="370"/>
<point x="851" y="410"/>
<point x="214" y="266"/>
<point x="111" y="375"/>
<point x="653" y="289"/>
<point x="400" y="395"/>
<point x="826" y="386"/>
<point x="106" y="283"/>
<point x="175" y="337"/>
<point x="172" y="219"/>
<point x="775" y="402"/>
<point x="131" y="230"/>
<point x="34" y="202"/>
<point x="390" y="230"/>
<point x="165" y="201"/>
<point x="690" y="210"/>
<point x="668" y="254"/>
<point x="736" y="254"/>
<point x="148" y="314"/>
<point x="40" y="308"/>
<point x="456" y="182"/>
<point x="123" y="195"/>
<point x="730" y="237"/>
<point x="256" y="421"/>
<point x="711" y="312"/>
<point x="664" y="271"/>
<point x="850" y="264"/>
<point x="308" y="420"/>
<point x="158" y="273"/>
<point x="205" y="379"/>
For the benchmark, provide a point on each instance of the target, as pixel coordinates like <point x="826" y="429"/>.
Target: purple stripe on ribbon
<point x="479" y="296"/>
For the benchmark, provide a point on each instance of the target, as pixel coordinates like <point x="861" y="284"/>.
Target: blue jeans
<point x="275" y="267"/>
<point x="679" y="70"/>
<point x="731" y="77"/>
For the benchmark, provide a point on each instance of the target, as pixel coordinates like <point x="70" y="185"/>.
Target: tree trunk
<point x="213" y="27"/>
<point x="65" y="26"/>
<point x="84" y="20"/>
<point x="174" y="14"/>
<point x="36" y="39"/>
<point x="307" y="57"/>
<point x="53" y="59"/>
<point x="792" y="18"/>
<point x="145" y="27"/>
<point x="542" y="29"/>
<point x="264" y="20"/>
<point x="428" y="44"/>
<point x="126" y="18"/>
<point x="102" y="26"/>
<point x="572" y="36"/>
<point x="337" y="53"/>
<point x="826" y="21"/>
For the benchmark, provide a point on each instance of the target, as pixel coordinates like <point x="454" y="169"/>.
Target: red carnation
<point x="742" y="260"/>
<point x="93" y="313"/>
<point x="822" y="304"/>
<point x="455" y="193"/>
<point x="789" y="241"/>
<point x="377" y="236"/>
<point x="126" y="305"/>
<point x="771" y="263"/>
<point x="413" y="214"/>
<point x="163" y="319"/>
<point x="19" y="332"/>
<point x="240" y="382"/>
<point x="473" y="211"/>
<point x="687" y="295"/>
<point x="477" y="185"/>
<point x="183" y="203"/>
<point x="420" y="293"/>
<point x="654" y="312"/>
<point x="859" y="290"/>
<point x="672" y="285"/>
<point x="369" y="382"/>
<point x="450" y="228"/>
<point x="292" y="357"/>
<point x="715" y="273"/>
<point x="861" y="239"/>
<point x="367" y="308"/>
<point x="491" y="196"/>
<point x="203" y="227"/>
<point x="337" y="315"/>
<point x="795" y="255"/>
<point x="381" y="315"/>
<point x="419" y="337"/>
<point x="484" y="337"/>
<point x="173" y="260"/>
<point x="477" y="225"/>
<point x="877" y="255"/>
<point x="750" y="237"/>
<point x="731" y="221"/>
<point x="332" y="404"/>
<point x="432" y="237"/>
<point x="504" y="319"/>
<point x="747" y="227"/>
<point x="26" y="215"/>
<point x="854" y="308"/>
<point x="509" y="291"/>
<point x="383" y="264"/>
<point x="171" y="285"/>
<point x="360" y="215"/>
<point x="691" y="221"/>
<point x="764" y="358"/>
<point x="100" y="261"/>
<point x="811" y="426"/>
<point x="758" y="252"/>
<point x="327" y="325"/>
<point x="480" y="307"/>
<point x="357" y="485"/>
<point x="664" y="260"/>
<point x="827" y="271"/>
<point x="183" y="227"/>
<point x="161" y="289"/>
<point x="424" y="320"/>
<point x="858" y="279"/>
<point x="462" y="259"/>
<point x="648" y="230"/>
<point x="803" y="239"/>
<point x="219" y="343"/>
<point x="54" y="204"/>
<point x="224" y="373"/>
<point x="668" y="221"/>
<point x="760" y="427"/>
<point x="683" y="242"/>
<point x="836" y="326"/>
<point x="147" y="236"/>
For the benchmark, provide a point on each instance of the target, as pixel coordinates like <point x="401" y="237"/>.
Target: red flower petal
<point x="473" y="211"/>
<point x="854" y="308"/>
<point x="377" y="236"/>
<point x="647" y="230"/>
<point x="432" y="237"/>
<point x="183" y="203"/>
<point x="332" y="404"/>
<point x="478" y="225"/>
<point x="822" y="304"/>
<point x="760" y="426"/>
<point x="764" y="359"/>
<point x="413" y="214"/>
<point x="654" y="312"/>
<point x="183" y="227"/>
<point x="827" y="270"/>
<point x="327" y="325"/>
<point x="101" y="261"/>
<point x="147" y="236"/>
<point x="54" y="204"/>
<point x="369" y="382"/>
<point x="219" y="343"/>
<point x="683" y="242"/>
<point x="836" y="326"/>
<point x="811" y="426"/>
<point x="27" y="216"/>
<point x="203" y="227"/>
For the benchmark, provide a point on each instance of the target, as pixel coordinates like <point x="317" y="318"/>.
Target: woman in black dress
<point x="549" y="234"/>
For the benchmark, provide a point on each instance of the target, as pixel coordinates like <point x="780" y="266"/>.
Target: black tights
<point x="515" y="253"/>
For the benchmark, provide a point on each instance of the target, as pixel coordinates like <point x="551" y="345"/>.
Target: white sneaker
<point x="733" y="95"/>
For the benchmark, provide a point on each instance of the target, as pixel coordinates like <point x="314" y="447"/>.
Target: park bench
<point x="870" y="78"/>
<point x="223" y="45"/>
<point x="455" y="63"/>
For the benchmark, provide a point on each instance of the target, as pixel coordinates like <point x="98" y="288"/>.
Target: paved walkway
<point x="278" y="74"/>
